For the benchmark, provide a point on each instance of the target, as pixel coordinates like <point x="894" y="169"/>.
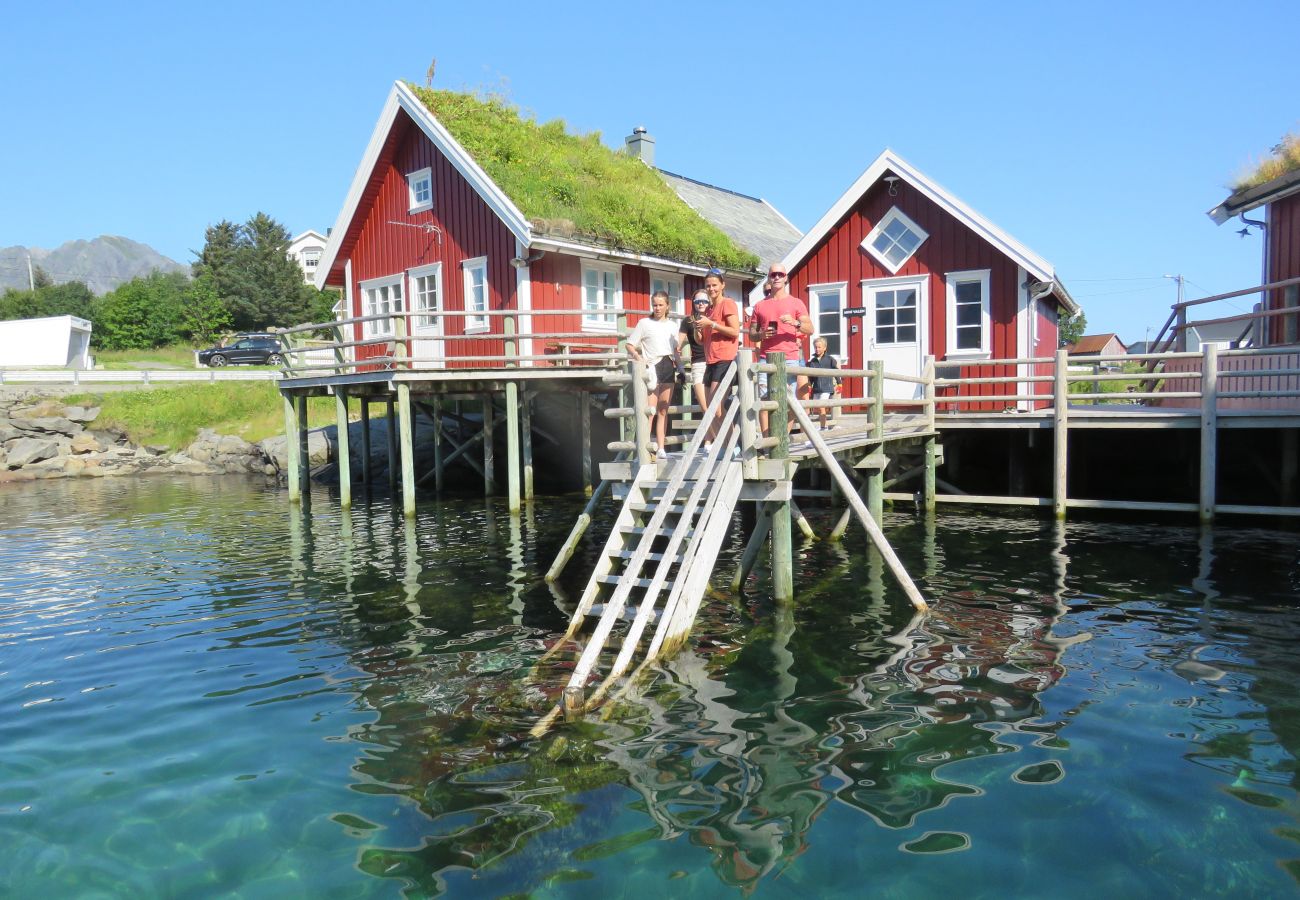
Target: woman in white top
<point x="654" y="342"/>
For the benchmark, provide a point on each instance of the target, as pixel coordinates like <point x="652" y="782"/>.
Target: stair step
<point x="675" y="509"/>
<point x="618" y="579"/>
<point x="627" y="554"/>
<point x="640" y="530"/>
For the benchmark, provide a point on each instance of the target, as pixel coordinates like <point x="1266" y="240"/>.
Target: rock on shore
<point x="43" y="438"/>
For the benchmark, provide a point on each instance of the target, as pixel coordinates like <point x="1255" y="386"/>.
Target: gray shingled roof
<point x="752" y="223"/>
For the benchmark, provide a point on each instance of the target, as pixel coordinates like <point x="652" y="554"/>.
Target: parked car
<point x="259" y="350"/>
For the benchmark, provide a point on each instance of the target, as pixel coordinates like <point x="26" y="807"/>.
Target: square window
<point x="601" y="296"/>
<point x="894" y="239"/>
<point x="419" y="188"/>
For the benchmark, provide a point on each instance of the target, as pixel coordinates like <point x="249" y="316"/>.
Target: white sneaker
<point x="660" y="454"/>
<point x="735" y="453"/>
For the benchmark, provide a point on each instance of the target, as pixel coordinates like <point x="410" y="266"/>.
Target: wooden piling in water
<point x="526" y="424"/>
<point x="1209" y="429"/>
<point x="366" y="471"/>
<point x="876" y="476"/>
<point x="489" y="461"/>
<point x="512" y="447"/>
<point x="390" y="415"/>
<point x="439" y="469"/>
<point x="291" y="447"/>
<point x="304" y="457"/>
<point x="344" y="446"/>
<point x="1060" y="432"/>
<point x="408" y="449"/>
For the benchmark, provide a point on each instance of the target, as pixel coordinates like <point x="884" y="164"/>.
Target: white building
<point x="306" y="250"/>
<point x="60" y="341"/>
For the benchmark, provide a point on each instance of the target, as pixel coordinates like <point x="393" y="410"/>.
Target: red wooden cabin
<point x="425" y="229"/>
<point x="899" y="269"/>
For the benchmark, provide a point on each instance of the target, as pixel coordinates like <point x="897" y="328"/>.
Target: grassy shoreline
<point x="173" y="416"/>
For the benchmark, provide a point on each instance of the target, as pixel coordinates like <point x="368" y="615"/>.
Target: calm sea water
<point x="205" y="692"/>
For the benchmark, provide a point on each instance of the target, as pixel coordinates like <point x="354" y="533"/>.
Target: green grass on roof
<point x="1285" y="158"/>
<point x="574" y="185"/>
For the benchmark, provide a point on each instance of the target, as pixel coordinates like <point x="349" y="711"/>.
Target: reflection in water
<point x="335" y="702"/>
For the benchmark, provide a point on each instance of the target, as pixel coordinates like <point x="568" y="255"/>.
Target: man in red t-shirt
<point x="780" y="323"/>
<point x="721" y="329"/>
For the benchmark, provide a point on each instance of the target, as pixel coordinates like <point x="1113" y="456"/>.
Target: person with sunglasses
<point x="779" y="325"/>
<point x="692" y="335"/>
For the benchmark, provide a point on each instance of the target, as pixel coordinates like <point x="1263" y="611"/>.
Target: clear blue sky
<point x="1096" y="133"/>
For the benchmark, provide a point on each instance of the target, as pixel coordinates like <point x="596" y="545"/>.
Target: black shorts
<point x="714" y="372"/>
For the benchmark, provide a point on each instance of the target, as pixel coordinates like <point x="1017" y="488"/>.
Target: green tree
<point x="70" y="299"/>
<point x="254" y="278"/>
<point x="203" y="315"/>
<point x="1071" y="328"/>
<point x="142" y="313"/>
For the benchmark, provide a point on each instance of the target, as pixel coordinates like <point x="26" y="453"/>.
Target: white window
<point x="381" y="297"/>
<point x="601" y="294"/>
<point x="476" y="292"/>
<point x="426" y="294"/>
<point x="419" y="188"/>
<point x="968" y="312"/>
<point x="897" y="311"/>
<point x="662" y="281"/>
<point x="894" y="239"/>
<point x="826" y="306"/>
<point x="311" y="258"/>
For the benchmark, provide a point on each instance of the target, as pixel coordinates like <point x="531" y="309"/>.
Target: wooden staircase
<point x="655" y="566"/>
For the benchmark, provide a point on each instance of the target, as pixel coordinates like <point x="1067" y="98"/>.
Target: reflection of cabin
<point x="456" y="206"/>
<point x="899" y="269"/>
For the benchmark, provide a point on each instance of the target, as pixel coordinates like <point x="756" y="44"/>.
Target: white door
<point x="426" y="327"/>
<point x="895" y="330"/>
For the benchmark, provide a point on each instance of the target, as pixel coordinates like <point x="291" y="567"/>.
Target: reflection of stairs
<point x="656" y="565"/>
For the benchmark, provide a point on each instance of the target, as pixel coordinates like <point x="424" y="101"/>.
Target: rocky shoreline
<point x="44" y="438"/>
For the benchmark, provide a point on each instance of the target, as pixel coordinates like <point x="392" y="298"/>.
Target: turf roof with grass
<point x="1284" y="160"/>
<point x="574" y="186"/>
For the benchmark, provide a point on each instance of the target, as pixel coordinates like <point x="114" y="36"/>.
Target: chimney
<point x="641" y="145"/>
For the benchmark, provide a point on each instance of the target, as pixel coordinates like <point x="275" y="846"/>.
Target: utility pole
<point x="31" y="279"/>
<point x="1181" y="318"/>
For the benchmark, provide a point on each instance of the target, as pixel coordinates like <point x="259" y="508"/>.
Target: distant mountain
<point x="102" y="264"/>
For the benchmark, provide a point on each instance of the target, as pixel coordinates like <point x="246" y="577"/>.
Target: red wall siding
<point x="951" y="247"/>
<point x="1283" y="236"/>
<point x="469" y="229"/>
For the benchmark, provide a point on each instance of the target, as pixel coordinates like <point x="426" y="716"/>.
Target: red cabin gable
<point x="899" y="269"/>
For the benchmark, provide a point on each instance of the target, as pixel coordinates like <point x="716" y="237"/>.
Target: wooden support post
<point x="366" y="471"/>
<point x="782" y="536"/>
<point x="584" y="429"/>
<point x="876" y="477"/>
<point x="1060" y="432"/>
<point x="1209" y="429"/>
<point x="407" y="455"/>
<point x="802" y="521"/>
<point x="931" y="442"/>
<point x="291" y="447"/>
<point x="344" y="446"/>
<point x="640" y="423"/>
<point x="439" y="467"/>
<point x="526" y="433"/>
<point x="390" y="414"/>
<point x="575" y="534"/>
<point x="489" y="462"/>
<point x="746" y="396"/>
<point x="757" y="538"/>
<point x="304" y="457"/>
<point x="512" y="446"/>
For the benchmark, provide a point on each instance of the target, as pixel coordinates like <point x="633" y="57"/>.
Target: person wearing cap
<point x="779" y="325"/>
<point x="692" y="335"/>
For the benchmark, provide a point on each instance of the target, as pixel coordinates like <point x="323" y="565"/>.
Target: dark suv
<point x="259" y="350"/>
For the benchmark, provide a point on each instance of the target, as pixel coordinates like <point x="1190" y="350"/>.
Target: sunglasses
<point x="776" y="274"/>
<point x="702" y="302"/>
<point x="713" y="271"/>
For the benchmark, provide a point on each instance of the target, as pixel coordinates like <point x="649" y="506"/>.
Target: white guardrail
<point x="128" y="376"/>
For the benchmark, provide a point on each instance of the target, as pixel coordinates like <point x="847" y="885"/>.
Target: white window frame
<point x="951" y="280"/>
<point x="369" y="306"/>
<point x="894" y="214"/>
<point x="872" y="286"/>
<point x="814" y="312"/>
<point x="476" y="324"/>
<point x="601" y="322"/>
<point x="413" y="186"/>
<point x="412" y="294"/>
<point x="670" y="281"/>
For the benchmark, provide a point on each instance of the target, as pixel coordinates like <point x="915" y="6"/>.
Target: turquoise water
<point x="206" y="693"/>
